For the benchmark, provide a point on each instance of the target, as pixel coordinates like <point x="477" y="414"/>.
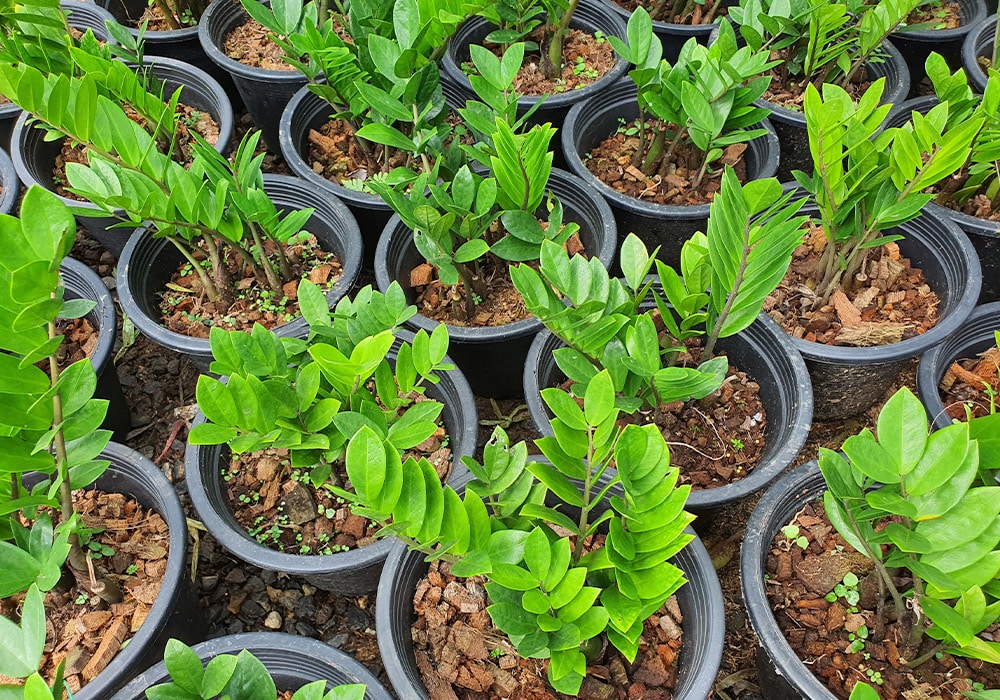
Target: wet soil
<point x="249" y="43"/>
<point x="971" y="384"/>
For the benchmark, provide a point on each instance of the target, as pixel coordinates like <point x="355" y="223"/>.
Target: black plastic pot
<point x="791" y="125"/>
<point x="34" y="157"/>
<point x="671" y="35"/>
<point x="147" y="264"/>
<point x="10" y="184"/>
<point x="292" y="661"/>
<point x="700" y="600"/>
<point x="264" y="92"/>
<point x="984" y="234"/>
<point x="356" y="571"/>
<point x="176" y="612"/>
<point x="83" y="283"/>
<point x="979" y="43"/>
<point x="767" y="355"/>
<point x="848" y="380"/>
<point x="493" y="357"/>
<point x="590" y="16"/>
<point x="916" y="44"/>
<point x="591" y="122"/>
<point x="779" y="670"/>
<point x="975" y="336"/>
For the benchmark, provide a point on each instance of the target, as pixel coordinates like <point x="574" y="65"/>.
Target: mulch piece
<point x="79" y="341"/>
<point x="969" y="383"/>
<point x="892" y="303"/>
<point x="187" y="310"/>
<point x="937" y="14"/>
<point x="978" y="205"/>
<point x="334" y="153"/>
<point x="82" y="629"/>
<point x="697" y="16"/>
<point x="789" y="91"/>
<point x="818" y="630"/>
<point x="462" y="656"/>
<point x="249" y="44"/>
<point x="612" y="163"/>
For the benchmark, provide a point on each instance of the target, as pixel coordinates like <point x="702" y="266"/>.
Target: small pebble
<point x="273" y="620"/>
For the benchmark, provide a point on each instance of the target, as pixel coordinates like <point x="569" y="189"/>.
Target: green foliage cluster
<point x="704" y="100"/>
<point x="233" y="677"/>
<point x="551" y="596"/>
<point x="725" y="277"/>
<point x="521" y="20"/>
<point x="311" y="396"/>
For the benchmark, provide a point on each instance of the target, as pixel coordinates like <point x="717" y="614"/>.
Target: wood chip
<point x="867" y="334"/>
<point x="422" y="275"/>
<point x="864" y="299"/>
<point x="113" y="639"/>
<point x="895" y="297"/>
<point x="848" y="313"/>
<point x="962" y="374"/>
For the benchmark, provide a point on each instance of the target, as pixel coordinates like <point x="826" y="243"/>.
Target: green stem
<point x="585" y="509"/>
<point x="168" y="14"/>
<point x="553" y="65"/>
<point x="272" y="279"/>
<point x="206" y="281"/>
<point x="733" y="293"/>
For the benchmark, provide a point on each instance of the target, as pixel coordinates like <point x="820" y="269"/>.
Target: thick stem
<point x="264" y="262"/>
<point x="469" y="289"/>
<point x="223" y="284"/>
<point x="701" y="172"/>
<point x="206" y="282"/>
<point x="553" y="63"/>
<point x="654" y="152"/>
<point x="938" y="648"/>
<point x="168" y="14"/>
<point x="585" y="509"/>
<point x="658" y="9"/>
<point x="707" y="19"/>
<point x="733" y="293"/>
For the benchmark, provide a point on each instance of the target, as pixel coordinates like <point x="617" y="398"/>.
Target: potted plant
<point x="868" y="189"/>
<point x="551" y="594"/>
<point x="979" y="51"/>
<point x="655" y="148"/>
<point x="53" y="453"/>
<point x="309" y="398"/>
<point x="661" y="336"/>
<point x="939" y="26"/>
<point x="675" y="21"/>
<point x="255" y="666"/>
<point x="904" y="573"/>
<point x="820" y="43"/>
<point x="448" y="239"/>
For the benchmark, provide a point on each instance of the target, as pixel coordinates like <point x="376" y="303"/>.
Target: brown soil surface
<point x="788" y="91"/>
<point x="192" y="120"/>
<point x="612" y="163"/>
<point x="936" y="14"/>
<point x="187" y="310"/>
<point x="892" y="303"/>
<point x="249" y="44"/>
<point x="462" y="656"/>
<point x="979" y="205"/>
<point x="79" y="340"/>
<point x="968" y="384"/>
<point x="699" y="15"/>
<point x="818" y="630"/>
<point x="334" y="153"/>
<point x="83" y="629"/>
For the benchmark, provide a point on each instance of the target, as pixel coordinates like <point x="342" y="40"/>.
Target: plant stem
<point x="927" y="656"/>
<point x="206" y="281"/>
<point x="223" y="284"/>
<point x="268" y="268"/>
<point x="552" y="64"/>
<point x="585" y="509"/>
<point x="733" y="293"/>
<point x="168" y="14"/>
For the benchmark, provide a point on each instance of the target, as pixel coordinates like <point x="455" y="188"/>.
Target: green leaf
<point x="184" y="666"/>
<point x="599" y="400"/>
<point x="902" y="430"/>
<point x="388" y="136"/>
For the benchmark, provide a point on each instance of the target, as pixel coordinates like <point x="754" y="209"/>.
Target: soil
<point x="789" y="91"/>
<point x="86" y="631"/>
<point x="157" y="22"/>
<point x="503" y="304"/>
<point x="818" y="629"/>
<point x="979" y="205"/>
<point x="249" y="44"/>
<point x="79" y="340"/>
<point x="695" y="17"/>
<point x="585" y="60"/>
<point x="969" y="384"/>
<point x="612" y="163"/>
<point x="191" y="119"/>
<point x="188" y="311"/>
<point x="891" y="304"/>
<point x="334" y="154"/>
<point x="462" y="656"/>
<point x="936" y="14"/>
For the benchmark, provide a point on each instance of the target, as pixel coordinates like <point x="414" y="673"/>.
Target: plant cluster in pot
<point x="654" y="149"/>
<point x="452" y="243"/>
<point x="567" y="561"/>
<point x="878" y="280"/>
<point x="819" y="42"/>
<point x="373" y="107"/>
<point x="286" y="412"/>
<point x="880" y="566"/>
<point x="939" y="26"/>
<point x="568" y="57"/>
<point x="675" y="21"/>
<point x="56" y="537"/>
<point x="63" y="94"/>
<point x="255" y="666"/>
<point x="689" y="355"/>
<point x="980" y="51"/>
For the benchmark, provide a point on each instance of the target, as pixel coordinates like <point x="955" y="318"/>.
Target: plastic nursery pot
<point x="147" y="264"/>
<point x="916" y="44"/>
<point x="700" y="601"/>
<point x="671" y="35"/>
<point x="590" y="16"/>
<point x="176" y="612"/>
<point x="848" y="380"/>
<point x="778" y="668"/>
<point x="493" y="357"/>
<point x="9" y="184"/>
<point x="34" y="157"/>
<point x="264" y="92"/>
<point x="354" y="572"/>
<point x="979" y="44"/>
<point x="975" y="336"/>
<point x="304" y="113"/>
<point x="83" y="283"/>
<point x="767" y="355"/>
<point x="292" y="661"/>
<point x="984" y="234"/>
<point x="591" y="122"/>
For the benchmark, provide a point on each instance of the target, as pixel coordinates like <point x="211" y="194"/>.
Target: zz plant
<point x="553" y="598"/>
<point x="49" y="424"/>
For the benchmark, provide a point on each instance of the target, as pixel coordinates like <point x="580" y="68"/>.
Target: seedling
<point x="791" y="533"/>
